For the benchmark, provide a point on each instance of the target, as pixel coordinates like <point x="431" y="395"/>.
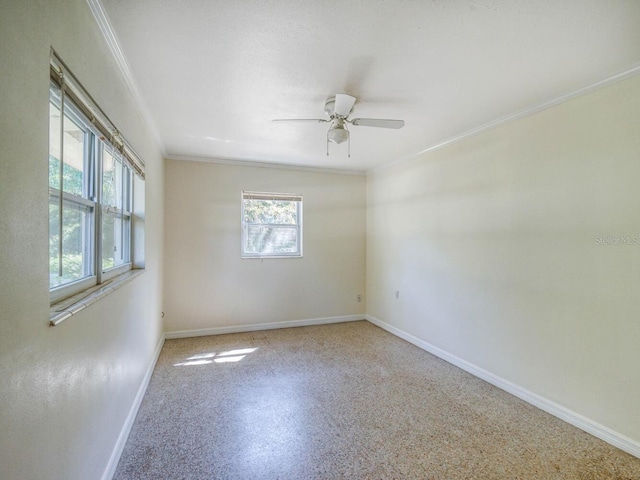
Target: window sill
<point x="262" y="257"/>
<point x="68" y="307"/>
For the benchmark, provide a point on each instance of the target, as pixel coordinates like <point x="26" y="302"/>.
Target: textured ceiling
<point x="214" y="74"/>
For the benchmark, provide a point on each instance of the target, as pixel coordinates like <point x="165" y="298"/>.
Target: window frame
<point x="75" y="104"/>
<point x="294" y="197"/>
<point x="87" y="200"/>
<point x="109" y="273"/>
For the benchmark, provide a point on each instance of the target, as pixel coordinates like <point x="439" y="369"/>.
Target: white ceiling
<point x="213" y="74"/>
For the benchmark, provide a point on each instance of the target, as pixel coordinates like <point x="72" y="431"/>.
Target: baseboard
<point x="110" y="469"/>
<point x="261" y="326"/>
<point x="604" y="433"/>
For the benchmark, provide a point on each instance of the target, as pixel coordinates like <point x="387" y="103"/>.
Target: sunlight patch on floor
<point x="230" y="356"/>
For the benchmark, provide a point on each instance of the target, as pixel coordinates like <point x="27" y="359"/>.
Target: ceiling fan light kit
<point x="337" y="134"/>
<point x="338" y="108"/>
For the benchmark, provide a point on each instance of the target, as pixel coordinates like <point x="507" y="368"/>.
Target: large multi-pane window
<point x="271" y="225"/>
<point x="90" y="197"/>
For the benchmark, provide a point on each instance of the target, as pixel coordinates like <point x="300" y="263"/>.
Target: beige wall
<point x="493" y="245"/>
<point x="65" y="391"/>
<point x="208" y="285"/>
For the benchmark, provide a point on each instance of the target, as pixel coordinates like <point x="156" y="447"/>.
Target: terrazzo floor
<point x="344" y="401"/>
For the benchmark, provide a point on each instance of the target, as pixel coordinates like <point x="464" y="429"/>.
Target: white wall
<point x="65" y="391"/>
<point x="208" y="285"/>
<point x="492" y="244"/>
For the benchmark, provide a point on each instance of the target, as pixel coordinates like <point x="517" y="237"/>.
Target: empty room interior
<point x="383" y="239"/>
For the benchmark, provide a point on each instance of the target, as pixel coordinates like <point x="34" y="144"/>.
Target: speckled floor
<point x="344" y="401"/>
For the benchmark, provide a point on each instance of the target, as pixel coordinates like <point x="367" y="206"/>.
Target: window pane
<point x="115" y="181"/>
<point x="116" y="232"/>
<point x="54" y="145"/>
<point x="108" y="178"/>
<point x="127" y="175"/>
<point x="74" y="154"/>
<point x="116" y="204"/>
<point x="54" y="244"/>
<point x="76" y="245"/>
<point x="267" y="240"/>
<point x="271" y="211"/>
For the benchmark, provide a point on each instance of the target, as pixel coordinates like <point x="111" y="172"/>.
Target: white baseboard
<point x="110" y="469"/>
<point x="604" y="433"/>
<point x="261" y="326"/>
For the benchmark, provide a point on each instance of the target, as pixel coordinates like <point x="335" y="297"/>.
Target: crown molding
<point x="618" y="77"/>
<point x="112" y="42"/>
<point x="265" y="164"/>
<point x="110" y="37"/>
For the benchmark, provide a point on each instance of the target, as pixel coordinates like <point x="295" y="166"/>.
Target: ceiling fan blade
<point x="344" y="104"/>
<point x="377" y="122"/>
<point x="312" y="120"/>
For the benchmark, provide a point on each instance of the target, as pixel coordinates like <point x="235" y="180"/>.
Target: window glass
<point x="109" y="193"/>
<point x="75" y="181"/>
<point x="116" y="231"/>
<point x="281" y="212"/>
<point x="71" y="235"/>
<point x="54" y="243"/>
<point x="266" y="240"/>
<point x="76" y="243"/>
<point x="271" y="225"/>
<point x="54" y="144"/>
<point x="116" y="206"/>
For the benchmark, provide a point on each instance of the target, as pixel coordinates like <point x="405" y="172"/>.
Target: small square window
<point x="271" y="225"/>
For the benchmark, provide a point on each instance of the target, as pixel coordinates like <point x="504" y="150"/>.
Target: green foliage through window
<point x="90" y="210"/>
<point x="271" y="225"/>
<point x="271" y="212"/>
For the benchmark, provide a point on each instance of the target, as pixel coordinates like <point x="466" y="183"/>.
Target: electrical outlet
<point x="397" y="294"/>
<point x="359" y="298"/>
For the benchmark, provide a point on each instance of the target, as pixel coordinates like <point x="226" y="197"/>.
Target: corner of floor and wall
<point x="515" y="254"/>
<point x="512" y="253"/>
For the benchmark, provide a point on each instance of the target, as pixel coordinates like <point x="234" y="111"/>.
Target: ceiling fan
<point x="338" y="108"/>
